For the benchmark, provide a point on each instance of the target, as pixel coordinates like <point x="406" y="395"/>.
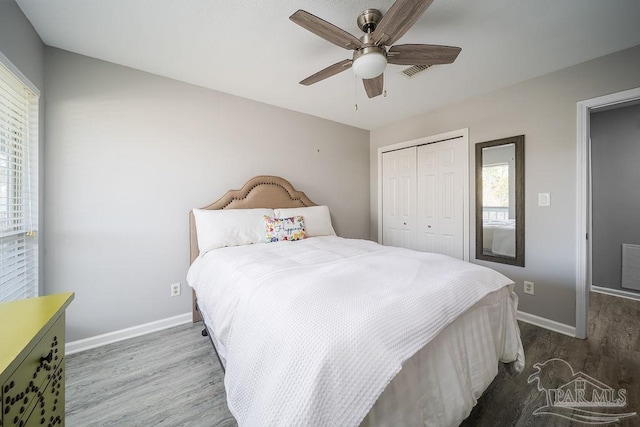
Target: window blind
<point x="18" y="188"/>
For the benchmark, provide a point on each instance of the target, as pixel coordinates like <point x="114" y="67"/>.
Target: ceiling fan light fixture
<point x="369" y="62"/>
<point x="371" y="50"/>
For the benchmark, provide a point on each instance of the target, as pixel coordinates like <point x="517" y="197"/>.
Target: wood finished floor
<point x="167" y="378"/>
<point x="172" y="378"/>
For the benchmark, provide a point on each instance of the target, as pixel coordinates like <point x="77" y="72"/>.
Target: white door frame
<point x="583" y="207"/>
<point x="460" y="133"/>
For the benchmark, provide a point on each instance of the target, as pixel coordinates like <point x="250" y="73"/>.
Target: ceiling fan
<point x="371" y="52"/>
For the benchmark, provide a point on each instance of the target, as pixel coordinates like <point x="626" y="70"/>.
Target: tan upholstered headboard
<point x="260" y="192"/>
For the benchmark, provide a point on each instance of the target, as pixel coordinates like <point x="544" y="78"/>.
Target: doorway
<point x="584" y="202"/>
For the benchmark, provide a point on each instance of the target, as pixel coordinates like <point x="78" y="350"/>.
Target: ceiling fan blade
<point x="327" y="31"/>
<point x="374" y="86"/>
<point x="398" y="19"/>
<point x="422" y="54"/>
<point x="331" y="70"/>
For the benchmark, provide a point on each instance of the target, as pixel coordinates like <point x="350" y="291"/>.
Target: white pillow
<point x="317" y="220"/>
<point x="231" y="227"/>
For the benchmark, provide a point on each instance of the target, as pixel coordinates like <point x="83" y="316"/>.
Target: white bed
<point x="345" y="332"/>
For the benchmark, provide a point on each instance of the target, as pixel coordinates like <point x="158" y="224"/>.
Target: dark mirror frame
<point x="518" y="141"/>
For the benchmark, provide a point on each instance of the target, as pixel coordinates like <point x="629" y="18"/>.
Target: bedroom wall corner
<point x="20" y="42"/>
<point x="129" y="154"/>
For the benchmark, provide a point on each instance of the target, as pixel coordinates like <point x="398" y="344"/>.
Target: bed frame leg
<point x="205" y="333"/>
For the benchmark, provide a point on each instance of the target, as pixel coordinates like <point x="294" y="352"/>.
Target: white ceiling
<point x="251" y="49"/>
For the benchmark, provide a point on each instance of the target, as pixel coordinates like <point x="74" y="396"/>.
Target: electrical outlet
<point x="528" y="288"/>
<point x="175" y="289"/>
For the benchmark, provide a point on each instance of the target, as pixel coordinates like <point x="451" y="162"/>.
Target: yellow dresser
<point x="32" y="361"/>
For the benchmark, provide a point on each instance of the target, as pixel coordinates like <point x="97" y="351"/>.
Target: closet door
<point x="399" y="198"/>
<point x="440" y="198"/>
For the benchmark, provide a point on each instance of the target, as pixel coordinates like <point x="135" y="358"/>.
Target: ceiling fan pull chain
<point x="355" y="93"/>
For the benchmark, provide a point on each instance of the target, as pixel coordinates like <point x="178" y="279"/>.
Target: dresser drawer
<point x="49" y="408"/>
<point x="26" y="385"/>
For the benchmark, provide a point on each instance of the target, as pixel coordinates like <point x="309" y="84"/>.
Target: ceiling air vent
<point x="415" y="69"/>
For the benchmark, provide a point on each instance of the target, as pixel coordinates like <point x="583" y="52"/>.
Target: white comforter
<point x="316" y="329"/>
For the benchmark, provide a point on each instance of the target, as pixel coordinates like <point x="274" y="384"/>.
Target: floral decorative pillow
<point x="279" y="229"/>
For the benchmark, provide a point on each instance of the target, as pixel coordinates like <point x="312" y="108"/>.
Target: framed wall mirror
<point x="500" y="201"/>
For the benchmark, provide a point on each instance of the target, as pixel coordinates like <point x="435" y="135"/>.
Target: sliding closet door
<point x="399" y="198"/>
<point x="440" y="197"/>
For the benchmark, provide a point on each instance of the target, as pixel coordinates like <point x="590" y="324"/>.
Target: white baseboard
<point x="123" y="334"/>
<point x="545" y="323"/>
<point x="136" y="331"/>
<point x="616" y="292"/>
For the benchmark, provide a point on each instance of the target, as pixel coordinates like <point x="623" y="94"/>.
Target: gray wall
<point x="544" y="110"/>
<point x="130" y="153"/>
<point x="615" y="169"/>
<point x="20" y="43"/>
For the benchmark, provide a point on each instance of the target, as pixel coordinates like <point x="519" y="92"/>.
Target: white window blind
<point x="18" y="188"/>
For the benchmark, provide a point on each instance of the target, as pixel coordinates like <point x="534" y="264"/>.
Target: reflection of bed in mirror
<point x="499" y="237"/>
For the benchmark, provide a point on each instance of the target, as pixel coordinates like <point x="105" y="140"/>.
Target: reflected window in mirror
<point x="500" y="201"/>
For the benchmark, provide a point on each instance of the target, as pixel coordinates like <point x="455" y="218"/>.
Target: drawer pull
<point x="47" y="358"/>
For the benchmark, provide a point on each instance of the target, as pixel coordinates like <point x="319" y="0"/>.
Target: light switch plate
<point x="544" y="199"/>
